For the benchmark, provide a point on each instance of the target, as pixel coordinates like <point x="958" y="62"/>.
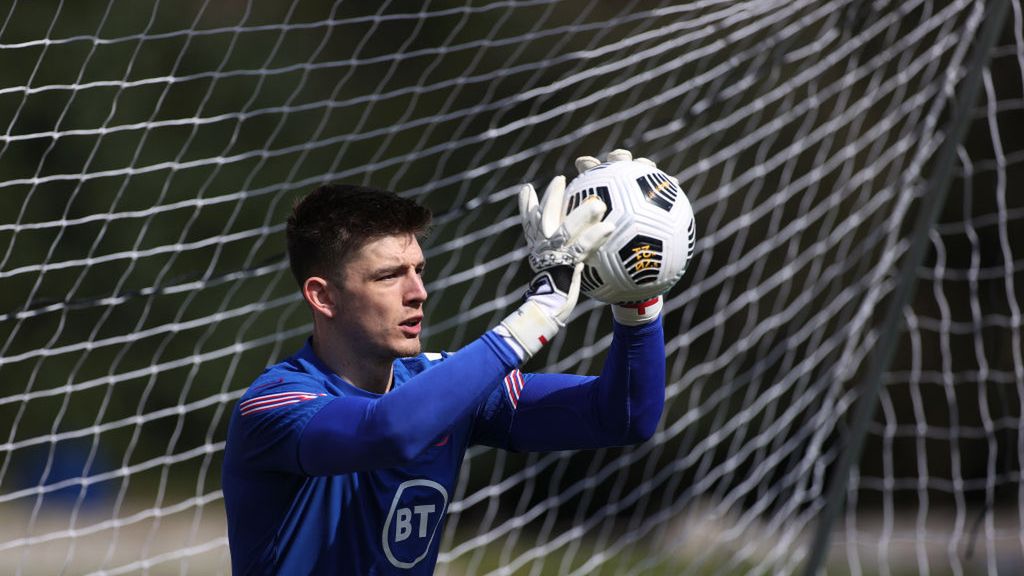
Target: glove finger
<point x="588" y="214"/>
<point x="527" y="202"/>
<point x="551" y="206"/>
<point x="528" y="212"/>
<point x="584" y="163"/>
<point x="620" y="155"/>
<point x="592" y="238"/>
<point x="646" y="162"/>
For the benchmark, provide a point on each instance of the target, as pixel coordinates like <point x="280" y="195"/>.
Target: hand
<point x="558" y="245"/>
<point x="636" y="313"/>
<point x="584" y="163"/>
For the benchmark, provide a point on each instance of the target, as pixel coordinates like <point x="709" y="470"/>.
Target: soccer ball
<point x="654" y="231"/>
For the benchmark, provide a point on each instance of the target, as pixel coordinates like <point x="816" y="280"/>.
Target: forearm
<point x="631" y="389"/>
<point x="357" y="433"/>
<point x="567" y="412"/>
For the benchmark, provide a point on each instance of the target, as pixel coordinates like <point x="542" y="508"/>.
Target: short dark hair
<point x="334" y="220"/>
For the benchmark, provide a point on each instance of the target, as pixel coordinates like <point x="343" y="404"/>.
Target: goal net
<point x="150" y="152"/>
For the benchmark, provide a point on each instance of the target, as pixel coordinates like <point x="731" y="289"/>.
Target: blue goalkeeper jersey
<point x="322" y="477"/>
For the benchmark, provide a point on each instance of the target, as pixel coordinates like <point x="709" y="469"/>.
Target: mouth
<point x="411" y="326"/>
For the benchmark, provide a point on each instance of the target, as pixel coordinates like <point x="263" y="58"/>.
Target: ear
<point x="317" y="293"/>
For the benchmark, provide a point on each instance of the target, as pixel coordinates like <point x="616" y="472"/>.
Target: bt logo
<point x="416" y="513"/>
<point x="403" y="521"/>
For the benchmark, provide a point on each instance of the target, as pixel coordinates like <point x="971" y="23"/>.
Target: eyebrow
<point x="394" y="268"/>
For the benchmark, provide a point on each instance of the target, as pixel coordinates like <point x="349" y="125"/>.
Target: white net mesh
<point x="150" y="152"/>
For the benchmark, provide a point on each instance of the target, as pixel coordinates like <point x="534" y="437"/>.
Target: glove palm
<point x="558" y="245"/>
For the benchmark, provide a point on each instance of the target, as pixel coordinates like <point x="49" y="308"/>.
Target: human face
<point x="380" y="299"/>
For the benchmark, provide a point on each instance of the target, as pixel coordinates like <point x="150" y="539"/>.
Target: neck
<point x="370" y="374"/>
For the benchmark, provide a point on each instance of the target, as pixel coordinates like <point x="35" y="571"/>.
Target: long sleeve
<point x="562" y="411"/>
<point x="359" y="433"/>
<point x="290" y="424"/>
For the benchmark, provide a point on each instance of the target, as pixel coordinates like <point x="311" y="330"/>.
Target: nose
<point x="415" y="291"/>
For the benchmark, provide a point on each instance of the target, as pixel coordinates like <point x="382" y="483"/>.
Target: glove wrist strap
<point x="528" y="329"/>
<point x="637" y="313"/>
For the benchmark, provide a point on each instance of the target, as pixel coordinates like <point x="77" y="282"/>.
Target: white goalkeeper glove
<point x="633" y="313"/>
<point x="558" y="245"/>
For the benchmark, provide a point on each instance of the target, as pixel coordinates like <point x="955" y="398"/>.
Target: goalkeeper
<point x="343" y="458"/>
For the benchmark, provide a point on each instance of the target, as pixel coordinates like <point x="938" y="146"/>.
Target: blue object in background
<point x="66" y="464"/>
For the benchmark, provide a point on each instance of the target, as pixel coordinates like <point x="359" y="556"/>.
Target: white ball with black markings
<point x="654" y="231"/>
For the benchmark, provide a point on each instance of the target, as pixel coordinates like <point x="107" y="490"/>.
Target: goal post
<point x="905" y="282"/>
<point x="150" y="152"/>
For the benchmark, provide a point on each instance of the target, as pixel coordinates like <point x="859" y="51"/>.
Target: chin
<point x="408" y="348"/>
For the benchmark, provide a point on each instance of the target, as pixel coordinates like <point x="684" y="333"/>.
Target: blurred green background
<point x="151" y="152"/>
